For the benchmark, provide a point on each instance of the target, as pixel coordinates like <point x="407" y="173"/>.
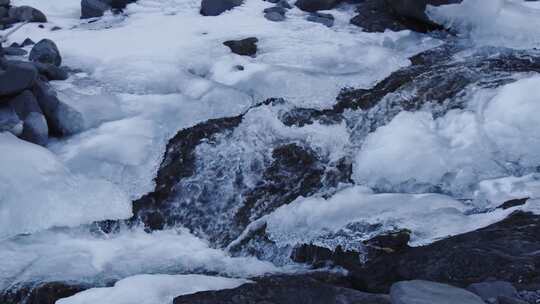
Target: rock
<point x="44" y="293"/>
<point x="284" y="290"/>
<point x="24" y="104"/>
<point x="216" y="7"/>
<point x="416" y="9"/>
<point x="26" y="13"/>
<point x="14" y="51"/>
<point x="27" y="42"/>
<point x="316" y="5"/>
<point x="3" y="12"/>
<point x="324" y="19"/>
<point x="244" y="47"/>
<point x="62" y="119"/>
<point x="9" y="121"/>
<point x="284" y="4"/>
<point x="509" y="300"/>
<point x="35" y="129"/>
<point x="46" y="51"/>
<point x="502" y="250"/>
<point x="491" y="290"/>
<point x="513" y="203"/>
<point x="4" y="2"/>
<point x="275" y="14"/>
<point x="51" y="72"/>
<point x="424" y="292"/>
<point x="93" y="8"/>
<point x="16" y="77"/>
<point x="390" y="242"/>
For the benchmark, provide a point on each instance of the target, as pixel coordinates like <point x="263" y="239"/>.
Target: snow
<point x="151" y="289"/>
<point x="78" y="256"/>
<point x="497" y="135"/>
<point x="506" y="23"/>
<point x="37" y="191"/>
<point x="429" y="216"/>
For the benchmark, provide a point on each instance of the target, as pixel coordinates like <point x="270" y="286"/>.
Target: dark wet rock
<point x="378" y="16"/>
<point x="15" y="45"/>
<point x="46" y="51"/>
<point x="14" y="51"/>
<point x="26" y="13"/>
<point x="24" y="104"/>
<point x="513" y="203"/>
<point x="416" y="9"/>
<point x="16" y="77"/>
<point x="284" y="4"/>
<point x="506" y="250"/>
<point x="321" y="257"/>
<point x="3" y="11"/>
<point x="489" y="291"/>
<point x="424" y="292"/>
<point x="324" y="19"/>
<point x="243" y="47"/>
<point x="276" y="13"/>
<point x="178" y="163"/>
<point x="62" y="119"/>
<point x="389" y="242"/>
<point x="44" y="293"/>
<point x="284" y="290"/>
<point x="217" y="7"/>
<point x="51" y="71"/>
<point x="316" y="5"/>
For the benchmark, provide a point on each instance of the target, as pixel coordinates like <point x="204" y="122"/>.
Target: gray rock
<point x="8" y="118"/>
<point x="16" y="77"/>
<point x="35" y="129"/>
<point x="3" y="12"/>
<point x="62" y="119"/>
<point x="216" y="7"/>
<point x="52" y="72"/>
<point x="14" y="51"/>
<point x="491" y="290"/>
<point x="510" y="300"/>
<point x="316" y="5"/>
<point x="284" y="4"/>
<point x="275" y="14"/>
<point x="425" y="292"/>
<point x="26" y="13"/>
<point x="4" y="2"/>
<point x="27" y="42"/>
<point x="324" y="19"/>
<point x="93" y="8"/>
<point x="243" y="47"/>
<point x="416" y="9"/>
<point x="46" y="51"/>
<point x="24" y="104"/>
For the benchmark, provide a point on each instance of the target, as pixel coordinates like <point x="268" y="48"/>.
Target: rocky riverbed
<point x="228" y="151"/>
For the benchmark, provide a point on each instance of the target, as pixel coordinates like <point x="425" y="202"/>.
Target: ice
<point x="37" y="191"/>
<point x="429" y="216"/>
<point x="506" y="23"/>
<point x="78" y="256"/>
<point x="497" y="135"/>
<point x="151" y="289"/>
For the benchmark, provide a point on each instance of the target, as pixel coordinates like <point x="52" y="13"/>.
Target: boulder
<point x="489" y="291"/>
<point x="26" y="13"/>
<point x="509" y="300"/>
<point x="416" y="9"/>
<point x="324" y="19"/>
<point x="14" y="51"/>
<point x="284" y="290"/>
<point x="275" y="14"/>
<point x="216" y="7"/>
<point x="425" y="292"/>
<point x="62" y="119"/>
<point x="16" y="77"/>
<point x="316" y="5"/>
<point x="93" y="8"/>
<point x="4" y="2"/>
<point x="243" y="47"/>
<point x="9" y="121"/>
<point x="513" y="203"/>
<point x="24" y="104"/>
<point x="27" y="42"/>
<point x="51" y="72"/>
<point x="46" y="51"/>
<point x="35" y="129"/>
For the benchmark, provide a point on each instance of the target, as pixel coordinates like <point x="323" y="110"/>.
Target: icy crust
<point x="151" y="289"/>
<point x="75" y="255"/>
<point x="506" y="23"/>
<point x="37" y="191"/>
<point x="496" y="135"/>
